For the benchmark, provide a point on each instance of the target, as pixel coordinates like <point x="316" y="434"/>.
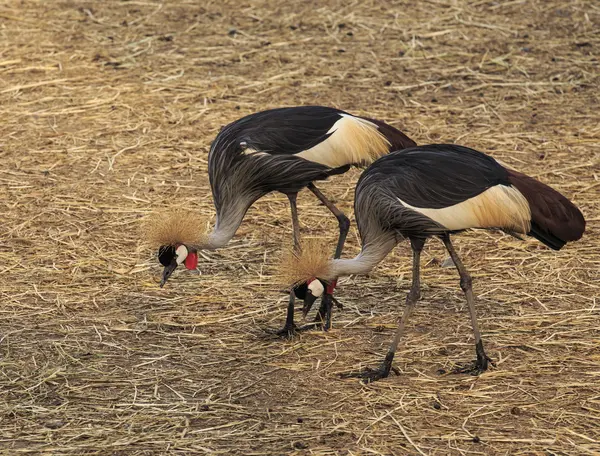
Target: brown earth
<point x="107" y="110"/>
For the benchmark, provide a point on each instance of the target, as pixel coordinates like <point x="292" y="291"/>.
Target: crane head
<point x="177" y="234"/>
<point x="309" y="291"/>
<point x="171" y="256"/>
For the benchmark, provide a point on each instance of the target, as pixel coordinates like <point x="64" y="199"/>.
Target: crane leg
<point x="371" y="375"/>
<point x="324" y="314"/>
<point x="481" y="364"/>
<point x="295" y="223"/>
<point x="289" y="329"/>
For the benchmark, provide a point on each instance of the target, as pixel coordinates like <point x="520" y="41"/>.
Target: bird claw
<point x="476" y="367"/>
<point x="368" y="375"/>
<point x="288" y="331"/>
<point x="480" y="365"/>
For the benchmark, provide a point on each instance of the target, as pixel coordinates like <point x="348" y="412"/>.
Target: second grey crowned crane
<point x="436" y="191"/>
<point x="284" y="150"/>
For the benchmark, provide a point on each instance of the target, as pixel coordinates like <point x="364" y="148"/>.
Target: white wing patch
<point x="500" y="206"/>
<point x="250" y="151"/>
<point x="353" y="141"/>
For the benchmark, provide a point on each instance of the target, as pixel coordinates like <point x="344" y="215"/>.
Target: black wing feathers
<point x="283" y="130"/>
<point x="438" y="175"/>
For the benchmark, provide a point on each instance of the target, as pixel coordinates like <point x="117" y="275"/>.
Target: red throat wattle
<point x="191" y="261"/>
<point x="331" y="287"/>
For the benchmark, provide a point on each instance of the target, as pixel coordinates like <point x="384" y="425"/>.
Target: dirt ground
<point x="107" y="110"/>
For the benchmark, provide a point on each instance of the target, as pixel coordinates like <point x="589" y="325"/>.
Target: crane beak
<point x="167" y="272"/>
<point x="309" y="300"/>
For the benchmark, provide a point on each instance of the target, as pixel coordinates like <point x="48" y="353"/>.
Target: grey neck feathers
<point x="370" y="255"/>
<point x="228" y="222"/>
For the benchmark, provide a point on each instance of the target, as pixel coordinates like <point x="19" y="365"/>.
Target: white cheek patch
<point x="316" y="288"/>
<point x="181" y="254"/>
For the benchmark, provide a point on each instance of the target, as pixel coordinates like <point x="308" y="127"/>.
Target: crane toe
<point x="476" y="367"/>
<point x="368" y="375"/>
<point x="288" y="331"/>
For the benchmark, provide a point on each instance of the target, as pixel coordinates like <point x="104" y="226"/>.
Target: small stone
<point x="54" y="424"/>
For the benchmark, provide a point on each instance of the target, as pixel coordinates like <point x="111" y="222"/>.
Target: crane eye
<point x="181" y="254"/>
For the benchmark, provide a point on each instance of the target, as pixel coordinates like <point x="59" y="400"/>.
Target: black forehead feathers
<point x="166" y="253"/>
<point x="300" y="290"/>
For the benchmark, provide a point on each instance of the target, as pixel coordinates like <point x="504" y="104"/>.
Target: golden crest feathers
<point x="174" y="226"/>
<point x="312" y="261"/>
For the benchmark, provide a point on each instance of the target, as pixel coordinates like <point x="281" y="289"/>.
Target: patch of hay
<point x="107" y="112"/>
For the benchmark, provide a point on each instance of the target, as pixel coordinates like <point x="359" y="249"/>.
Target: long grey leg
<point x="466" y="285"/>
<point x="289" y="328"/>
<point x="371" y="375"/>
<point x="343" y="221"/>
<point x="295" y="223"/>
<point x="324" y="314"/>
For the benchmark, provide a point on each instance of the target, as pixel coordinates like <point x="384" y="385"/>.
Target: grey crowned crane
<point x="284" y="150"/>
<point x="436" y="191"/>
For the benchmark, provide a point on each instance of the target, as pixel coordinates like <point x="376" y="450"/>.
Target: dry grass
<point x="106" y="113"/>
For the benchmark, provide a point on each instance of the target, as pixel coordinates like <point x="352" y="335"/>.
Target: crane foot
<point x="368" y="375"/>
<point x="479" y="366"/>
<point x="287" y="332"/>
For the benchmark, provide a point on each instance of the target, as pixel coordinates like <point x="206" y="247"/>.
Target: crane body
<point x="438" y="191"/>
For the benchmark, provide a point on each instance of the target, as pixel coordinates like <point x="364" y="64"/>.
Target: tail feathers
<point x="397" y="139"/>
<point x="546" y="237"/>
<point x="554" y="219"/>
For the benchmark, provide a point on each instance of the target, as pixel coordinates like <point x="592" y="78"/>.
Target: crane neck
<point x="228" y="222"/>
<point x="370" y="255"/>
